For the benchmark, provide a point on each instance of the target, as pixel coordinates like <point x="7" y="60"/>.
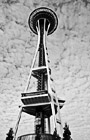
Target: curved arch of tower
<point x="43" y="102"/>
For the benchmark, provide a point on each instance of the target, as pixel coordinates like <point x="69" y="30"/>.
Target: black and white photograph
<point x="44" y="69"/>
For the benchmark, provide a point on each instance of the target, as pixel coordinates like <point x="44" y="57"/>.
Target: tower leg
<point x="53" y="113"/>
<point x="17" y="124"/>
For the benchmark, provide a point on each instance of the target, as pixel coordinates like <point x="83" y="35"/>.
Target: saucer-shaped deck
<point x="43" y="13"/>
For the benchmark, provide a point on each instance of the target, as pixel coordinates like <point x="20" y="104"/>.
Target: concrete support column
<point x="49" y="128"/>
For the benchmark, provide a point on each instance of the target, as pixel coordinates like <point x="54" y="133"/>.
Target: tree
<point x="55" y="135"/>
<point x="67" y="133"/>
<point x="10" y="134"/>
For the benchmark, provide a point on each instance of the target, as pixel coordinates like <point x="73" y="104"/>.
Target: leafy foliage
<point x="67" y="133"/>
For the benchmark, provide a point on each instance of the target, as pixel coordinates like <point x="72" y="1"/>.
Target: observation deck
<point x="43" y="13"/>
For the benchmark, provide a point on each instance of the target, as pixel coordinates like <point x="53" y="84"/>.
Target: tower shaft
<point x="41" y="76"/>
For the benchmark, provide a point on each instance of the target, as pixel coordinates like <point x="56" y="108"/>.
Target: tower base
<point x="39" y="137"/>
